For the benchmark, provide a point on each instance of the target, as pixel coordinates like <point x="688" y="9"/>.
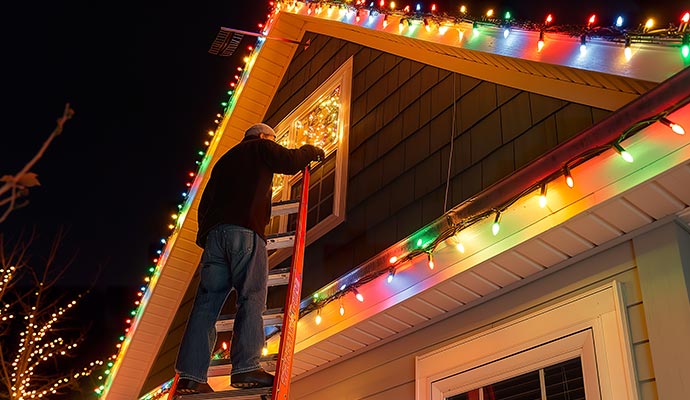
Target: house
<point x="440" y="142"/>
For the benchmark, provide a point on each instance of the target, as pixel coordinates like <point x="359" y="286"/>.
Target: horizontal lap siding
<point x="387" y="371"/>
<point x="403" y="115"/>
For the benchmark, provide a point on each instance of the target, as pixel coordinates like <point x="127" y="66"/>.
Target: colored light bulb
<point x="674" y="127"/>
<point x="358" y="295"/>
<point x="542" y="196"/>
<point x="623" y="153"/>
<point x="496" y="227"/>
<point x="540" y="43"/>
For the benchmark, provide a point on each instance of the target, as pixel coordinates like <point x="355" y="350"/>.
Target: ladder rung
<point x="271" y="317"/>
<point x="223" y="367"/>
<point x="238" y="394"/>
<point x="280" y="240"/>
<point x="277" y="277"/>
<point x="284" y="207"/>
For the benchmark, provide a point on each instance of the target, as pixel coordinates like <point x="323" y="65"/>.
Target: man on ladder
<point x="233" y="212"/>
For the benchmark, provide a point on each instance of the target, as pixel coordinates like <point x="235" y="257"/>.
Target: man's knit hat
<point x="258" y="129"/>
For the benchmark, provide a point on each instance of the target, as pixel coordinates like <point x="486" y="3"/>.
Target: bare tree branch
<point x="17" y="186"/>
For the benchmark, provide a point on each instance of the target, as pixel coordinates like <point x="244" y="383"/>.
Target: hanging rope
<point x="450" y="156"/>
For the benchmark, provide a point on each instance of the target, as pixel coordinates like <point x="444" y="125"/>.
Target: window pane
<point x="471" y="395"/>
<point x="319" y="126"/>
<point x="523" y="387"/>
<point x="279" y="179"/>
<point x="564" y="381"/>
<point x="325" y="208"/>
<point x="328" y="184"/>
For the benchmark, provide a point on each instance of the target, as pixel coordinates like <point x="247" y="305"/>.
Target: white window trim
<point x="592" y="325"/>
<point x="341" y="77"/>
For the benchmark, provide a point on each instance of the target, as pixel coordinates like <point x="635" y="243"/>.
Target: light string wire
<point x="670" y="35"/>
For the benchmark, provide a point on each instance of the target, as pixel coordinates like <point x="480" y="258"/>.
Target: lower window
<point x="562" y="381"/>
<point x="575" y="349"/>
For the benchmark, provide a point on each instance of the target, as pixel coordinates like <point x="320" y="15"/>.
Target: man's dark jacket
<point x="239" y="190"/>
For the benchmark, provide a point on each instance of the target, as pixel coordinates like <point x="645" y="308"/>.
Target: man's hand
<point x="317" y="154"/>
<point x="320" y="154"/>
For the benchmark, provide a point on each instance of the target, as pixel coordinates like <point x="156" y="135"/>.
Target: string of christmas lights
<point x="153" y="270"/>
<point x="427" y="246"/>
<point x="434" y="21"/>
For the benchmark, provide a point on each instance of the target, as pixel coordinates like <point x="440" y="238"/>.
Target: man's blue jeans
<point x="234" y="258"/>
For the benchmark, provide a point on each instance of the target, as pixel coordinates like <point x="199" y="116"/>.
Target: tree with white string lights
<point x="37" y="334"/>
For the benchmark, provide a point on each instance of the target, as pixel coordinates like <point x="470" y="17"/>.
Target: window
<point x="322" y="120"/>
<point x="577" y="349"/>
<point x="563" y="381"/>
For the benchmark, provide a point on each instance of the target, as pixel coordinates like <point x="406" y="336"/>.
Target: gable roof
<point x="583" y="219"/>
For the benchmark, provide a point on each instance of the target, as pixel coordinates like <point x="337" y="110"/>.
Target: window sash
<point x="334" y="141"/>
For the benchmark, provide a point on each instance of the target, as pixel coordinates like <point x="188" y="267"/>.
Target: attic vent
<point x="225" y="43"/>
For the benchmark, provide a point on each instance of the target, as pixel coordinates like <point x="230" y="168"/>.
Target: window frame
<point x="341" y="77"/>
<point x="579" y="344"/>
<point x="592" y="326"/>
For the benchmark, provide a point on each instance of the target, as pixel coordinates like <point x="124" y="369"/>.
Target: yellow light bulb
<point x="542" y="196"/>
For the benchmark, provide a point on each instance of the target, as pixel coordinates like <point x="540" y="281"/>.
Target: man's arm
<point x="289" y="161"/>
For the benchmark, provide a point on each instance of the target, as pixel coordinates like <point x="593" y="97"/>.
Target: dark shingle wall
<point x="402" y="117"/>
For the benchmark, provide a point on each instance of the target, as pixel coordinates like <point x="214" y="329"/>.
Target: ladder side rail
<point x="281" y="385"/>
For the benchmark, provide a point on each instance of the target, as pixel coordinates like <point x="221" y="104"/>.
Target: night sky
<point x="145" y="91"/>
